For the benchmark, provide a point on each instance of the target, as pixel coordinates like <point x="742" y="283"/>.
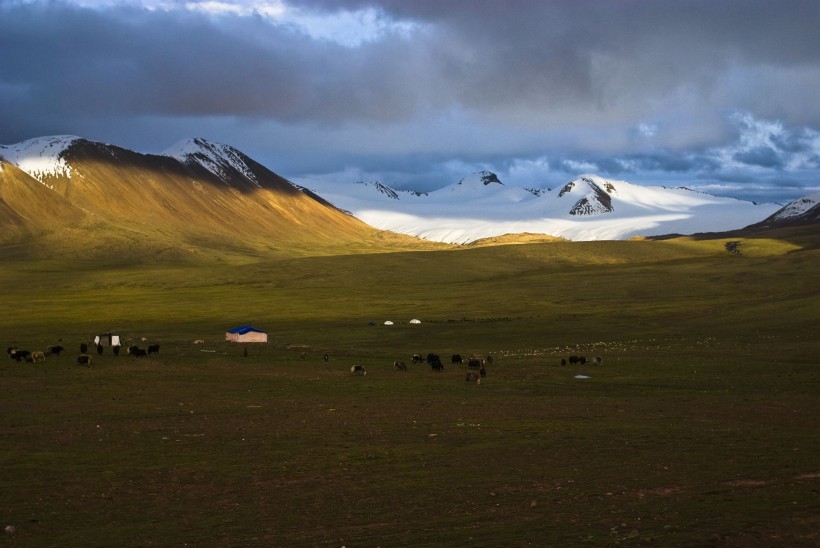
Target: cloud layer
<point x="717" y="94"/>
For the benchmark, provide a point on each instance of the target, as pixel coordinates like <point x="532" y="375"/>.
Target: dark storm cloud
<point x="760" y="156"/>
<point x="635" y="89"/>
<point x="77" y="61"/>
<point x="606" y="60"/>
<point x="519" y="63"/>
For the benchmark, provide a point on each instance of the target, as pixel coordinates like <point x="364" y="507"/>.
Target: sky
<point x="714" y="95"/>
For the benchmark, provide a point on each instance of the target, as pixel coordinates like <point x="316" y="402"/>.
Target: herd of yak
<point x="474" y="362"/>
<point x="84" y="358"/>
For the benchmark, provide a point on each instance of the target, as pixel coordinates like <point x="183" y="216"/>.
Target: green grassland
<point x="699" y="428"/>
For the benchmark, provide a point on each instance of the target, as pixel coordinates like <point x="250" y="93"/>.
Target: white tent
<point x="246" y="333"/>
<point x="415" y="321"/>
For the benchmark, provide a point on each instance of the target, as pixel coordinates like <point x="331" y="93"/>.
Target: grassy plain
<point x="699" y="429"/>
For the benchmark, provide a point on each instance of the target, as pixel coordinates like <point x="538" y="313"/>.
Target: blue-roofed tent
<point x="246" y="333"/>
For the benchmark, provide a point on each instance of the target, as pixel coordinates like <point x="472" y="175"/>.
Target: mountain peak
<point x="41" y="157"/>
<point x="592" y="194"/>
<point x="487" y="177"/>
<point x="480" y="177"/>
<point x="477" y="182"/>
<point x="804" y="210"/>
<point x="382" y="188"/>
<point x="221" y="160"/>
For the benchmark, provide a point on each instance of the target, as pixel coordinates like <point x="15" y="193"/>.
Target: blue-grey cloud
<point x="419" y="89"/>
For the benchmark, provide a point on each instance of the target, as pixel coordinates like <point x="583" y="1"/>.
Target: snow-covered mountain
<point x="479" y="206"/>
<point x="587" y="208"/>
<point x="801" y="211"/>
<point x="223" y="161"/>
<point x="76" y="192"/>
<point x="41" y="157"/>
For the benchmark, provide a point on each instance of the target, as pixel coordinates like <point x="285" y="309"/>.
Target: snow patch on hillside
<point x="797" y="208"/>
<point x="216" y="158"/>
<point x="40" y="157"/>
<point x="384" y="189"/>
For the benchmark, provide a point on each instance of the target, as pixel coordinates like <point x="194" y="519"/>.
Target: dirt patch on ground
<point x="748" y="483"/>
<point x="810" y="475"/>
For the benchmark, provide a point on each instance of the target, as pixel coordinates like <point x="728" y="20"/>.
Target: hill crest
<point x="203" y="196"/>
<point x="803" y="211"/>
<point x="203" y="193"/>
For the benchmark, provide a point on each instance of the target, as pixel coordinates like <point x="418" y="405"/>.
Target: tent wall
<point x="254" y="336"/>
<point x="250" y="336"/>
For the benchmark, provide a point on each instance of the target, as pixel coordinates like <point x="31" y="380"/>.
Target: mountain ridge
<point x="805" y="210"/>
<point x="211" y="192"/>
<point x="588" y="207"/>
<point x="203" y="198"/>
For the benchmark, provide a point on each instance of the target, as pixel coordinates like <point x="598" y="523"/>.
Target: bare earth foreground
<point x="698" y="429"/>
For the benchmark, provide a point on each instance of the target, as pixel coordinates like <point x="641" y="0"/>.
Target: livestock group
<point x="96" y="345"/>
<point x="476" y="364"/>
<point x="582" y="360"/>
<point x="434" y="361"/>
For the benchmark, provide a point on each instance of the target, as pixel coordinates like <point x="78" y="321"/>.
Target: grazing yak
<point x="598" y="360"/>
<point x="54" y="349"/>
<point x="38" y="357"/>
<point x="136" y="351"/>
<point x="456" y="358"/>
<point x="83" y="348"/>
<point x="153" y="349"/>
<point x="417" y="358"/>
<point x="20" y="355"/>
<point x="358" y="370"/>
<point x="399" y="366"/>
<point x="436" y="365"/>
<point x="84" y="359"/>
<point x="482" y="372"/>
<point x="475" y="363"/>
<point x="472" y="376"/>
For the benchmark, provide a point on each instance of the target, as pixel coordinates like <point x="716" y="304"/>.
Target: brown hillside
<point x="27" y="207"/>
<point x="137" y="202"/>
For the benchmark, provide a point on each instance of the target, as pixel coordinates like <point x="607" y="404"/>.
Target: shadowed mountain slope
<point x="200" y="196"/>
<point x="803" y="211"/>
